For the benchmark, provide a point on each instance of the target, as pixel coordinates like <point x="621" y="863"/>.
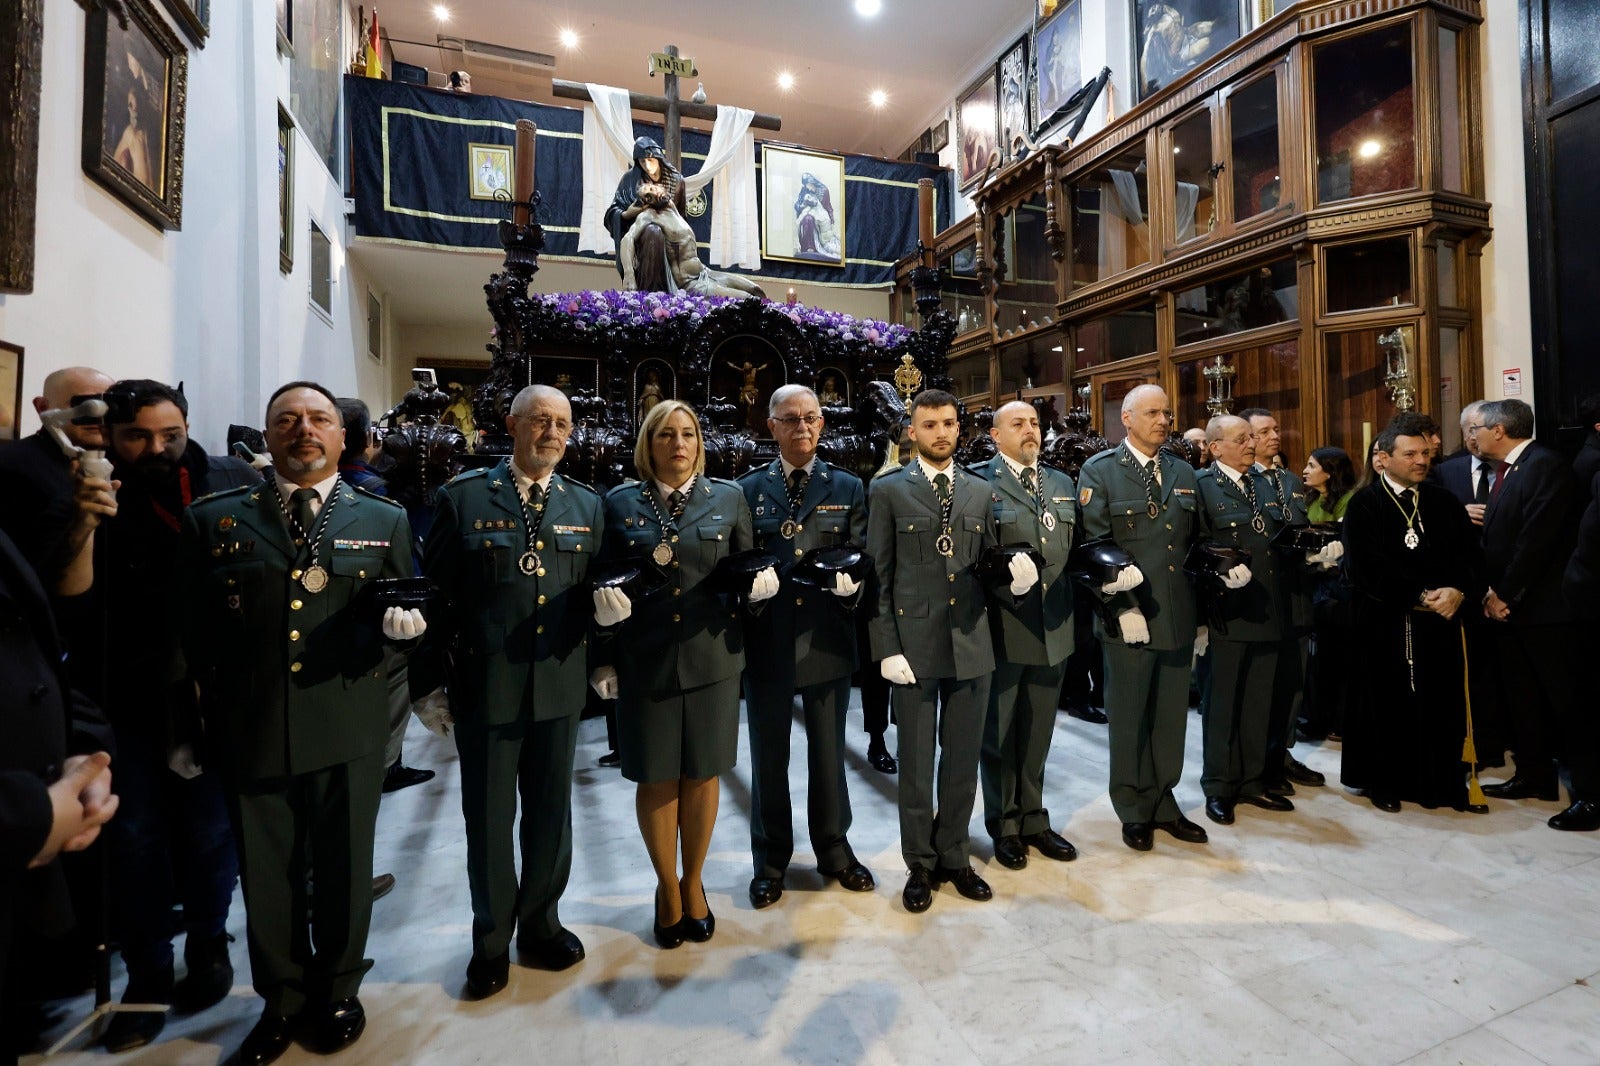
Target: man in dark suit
<point x="1036" y="505"/>
<point x="291" y="669"/>
<point x="510" y="549"/>
<point x="1529" y="532"/>
<point x="804" y="642"/>
<point x="1144" y="498"/>
<point x="927" y="527"/>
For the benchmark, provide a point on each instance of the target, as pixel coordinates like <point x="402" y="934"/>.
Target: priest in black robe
<point x="1413" y="561"/>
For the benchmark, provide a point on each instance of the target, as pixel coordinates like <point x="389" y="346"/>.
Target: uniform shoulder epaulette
<point x="617" y="490"/>
<point x="374" y="496"/>
<point x="723" y="481"/>
<point x="220" y="493"/>
<point x="755" y="471"/>
<point x="979" y="470"/>
<point x="1100" y="457"/>
<point x="468" y="474"/>
<point x="579" y="484"/>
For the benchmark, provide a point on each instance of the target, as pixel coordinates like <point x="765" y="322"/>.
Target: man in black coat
<point x="1529" y="531"/>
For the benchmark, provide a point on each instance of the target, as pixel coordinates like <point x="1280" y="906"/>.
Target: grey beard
<point x="301" y="466"/>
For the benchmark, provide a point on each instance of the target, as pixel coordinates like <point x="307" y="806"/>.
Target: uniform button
<point x="675" y="564"/>
<point x="541" y="600"/>
<point x="677" y="618"/>
<point x="952" y="577"/>
<point x="294" y="668"/>
<point x="1172" y="568"/>
<point x="538" y="630"/>
<point x="361" y="573"/>
<point x="294" y="634"/>
<point x="538" y="545"/>
<point x="1170" y="548"/>
<point x="295" y="605"/>
<point x="719" y="536"/>
<point x="799" y="601"/>
<point x="1044" y="540"/>
<point x="488" y="544"/>
<point x="232" y="582"/>
<point x="952" y="601"/>
<point x="295" y="574"/>
<point x="677" y="592"/>
<point x="579" y="548"/>
<point x="674" y="538"/>
<point x="1169" y="525"/>
<point x="539" y="572"/>
<point x="798" y="553"/>
<point x="900" y="610"/>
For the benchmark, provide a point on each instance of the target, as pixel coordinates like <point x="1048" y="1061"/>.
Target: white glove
<point x="897" y="671"/>
<point x="403" y="623"/>
<point x="1237" y="578"/>
<point x="1128" y="578"/>
<point x="1134" y="629"/>
<point x="180" y="760"/>
<point x="433" y="711"/>
<point x="1202" y="641"/>
<point x="1327" y="557"/>
<point x="604" y="682"/>
<point x="611" y="606"/>
<point x="844" y="586"/>
<point x="765" y="585"/>
<point x="1024" y="574"/>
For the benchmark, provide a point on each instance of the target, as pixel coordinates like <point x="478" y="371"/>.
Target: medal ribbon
<point x="321" y="524"/>
<point x="797" y="492"/>
<point x="532" y="521"/>
<point x="669" y="521"/>
<point x="1147" y="472"/>
<point x="1249" y="488"/>
<point x="946" y="500"/>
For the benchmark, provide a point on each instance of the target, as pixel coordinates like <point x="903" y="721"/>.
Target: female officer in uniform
<point x="674" y="660"/>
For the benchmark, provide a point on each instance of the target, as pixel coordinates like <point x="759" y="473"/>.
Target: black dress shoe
<point x="918" y="892"/>
<point x="765" y="891"/>
<point x="397" y="777"/>
<point x="1010" y="852"/>
<point x="1052" y="845"/>
<point x="1184" y="830"/>
<point x="210" y="975"/>
<point x="967" y="881"/>
<point x="1471" y="808"/>
<point x="1093" y="715"/>
<point x="1300" y="773"/>
<point x="382" y="885"/>
<point x="1519" y="787"/>
<point x="699" y="929"/>
<point x="879" y="759"/>
<point x="559" y="952"/>
<point x="1278" y="787"/>
<point x="609" y="760"/>
<point x="1384" y="803"/>
<point x="334" y="1026"/>
<point x="853" y="876"/>
<point x="1582" y="817"/>
<point x="1268" y="802"/>
<point x="1137" y="836"/>
<point x="1219" y="810"/>
<point x="668" y="936"/>
<point x="485" y="977"/>
<point x="134" y="1028"/>
<point x="269" y="1039"/>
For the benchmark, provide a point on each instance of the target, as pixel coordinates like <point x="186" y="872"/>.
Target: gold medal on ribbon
<point x="662" y="554"/>
<point x="528" y="562"/>
<point x="315" y="579"/>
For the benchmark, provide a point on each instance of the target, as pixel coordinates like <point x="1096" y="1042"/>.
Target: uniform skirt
<point x="692" y="733"/>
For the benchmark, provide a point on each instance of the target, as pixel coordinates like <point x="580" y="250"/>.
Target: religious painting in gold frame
<point x="802" y="206"/>
<point x="489" y="169"/>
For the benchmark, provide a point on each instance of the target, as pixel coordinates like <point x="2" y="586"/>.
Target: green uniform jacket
<point x="811" y="627"/>
<point x="1299" y="581"/>
<point x="1258" y="611"/>
<point x="1038" y="630"/>
<point x="689" y="635"/>
<point x="291" y="681"/>
<point x="509" y="644"/>
<point x="930" y="608"/>
<point x="1111" y="494"/>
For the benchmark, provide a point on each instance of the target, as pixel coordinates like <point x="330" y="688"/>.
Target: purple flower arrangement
<point x="633" y="312"/>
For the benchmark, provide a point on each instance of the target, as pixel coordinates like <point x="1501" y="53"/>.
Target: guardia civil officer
<point x="510" y="549"/>
<point x="803" y="642"/>
<point x="290" y="663"/>
<point x="1144" y="498"/>
<point x="1036" y="505"/>
<point x="928" y="525"/>
<point x="672" y="661"/>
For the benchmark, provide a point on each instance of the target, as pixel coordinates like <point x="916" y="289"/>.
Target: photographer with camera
<point x="169" y="806"/>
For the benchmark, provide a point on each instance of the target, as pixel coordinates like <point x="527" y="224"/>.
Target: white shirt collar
<point x="788" y="469"/>
<point x="665" y="491"/>
<point x="1516" y="453"/>
<point x="1140" y="457"/>
<point x="524" y="481"/>
<point x="930" y="472"/>
<point x="1017" y="468"/>
<point x="1394" y="486"/>
<point x="1236" y="475"/>
<point x="287" y="489"/>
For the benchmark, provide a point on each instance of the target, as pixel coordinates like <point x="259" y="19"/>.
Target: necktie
<point x="1153" y="468"/>
<point x="796" y="476"/>
<point x="535" y="496"/>
<point x="941" y="484"/>
<point x="674" y="501"/>
<point x="1500" y="477"/>
<point x="1406" y="496"/>
<point x="1485" y="480"/>
<point x="304" y="517"/>
<point x="1030" y="480"/>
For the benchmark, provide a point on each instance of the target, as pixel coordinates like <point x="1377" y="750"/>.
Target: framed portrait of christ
<point x="977" y="128"/>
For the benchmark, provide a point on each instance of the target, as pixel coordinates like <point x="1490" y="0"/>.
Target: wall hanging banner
<point x="424" y="166"/>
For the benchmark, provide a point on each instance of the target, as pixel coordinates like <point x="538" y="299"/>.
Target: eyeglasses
<point x="790" y="422"/>
<point x="1470" y="430"/>
<point x="543" y="423"/>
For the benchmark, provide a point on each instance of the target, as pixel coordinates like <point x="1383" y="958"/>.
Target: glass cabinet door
<point x="1253" y="144"/>
<point x="1364" y="111"/>
<point x="1194" y="172"/>
<point x="1111" y="218"/>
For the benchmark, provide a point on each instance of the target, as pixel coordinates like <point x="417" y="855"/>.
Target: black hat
<point x="1213" y="560"/>
<point x="638" y="578"/>
<point x="734" y="573"/>
<point x="1097" y="562"/>
<point x="407" y="592"/>
<point x="1305" y="538"/>
<point x="817" y="567"/>
<point x="995" y="566"/>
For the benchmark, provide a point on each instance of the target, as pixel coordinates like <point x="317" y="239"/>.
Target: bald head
<point x="530" y="397"/>
<point x="60" y="386"/>
<point x="1230" y="441"/>
<point x="1016" y="432"/>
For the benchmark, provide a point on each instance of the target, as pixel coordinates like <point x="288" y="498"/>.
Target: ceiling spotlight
<point x="441" y="13"/>
<point x="1369" y="149"/>
<point x="878" y="98"/>
<point x="569" y="38"/>
<point x="868" y="8"/>
<point x="785" y="80"/>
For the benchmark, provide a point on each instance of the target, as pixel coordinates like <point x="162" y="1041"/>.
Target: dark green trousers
<point x="1237" y="717"/>
<point x="770" y="712"/>
<point x="318" y="825"/>
<point x="499" y="763"/>
<point x="1147" y="704"/>
<point x="939" y="724"/>
<point x="1016" y="742"/>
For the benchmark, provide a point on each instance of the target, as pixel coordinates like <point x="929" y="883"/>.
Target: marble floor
<point x="1336" y="934"/>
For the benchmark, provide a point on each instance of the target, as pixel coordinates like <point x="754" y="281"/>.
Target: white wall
<point x="206" y="305"/>
<point x="1507" y="320"/>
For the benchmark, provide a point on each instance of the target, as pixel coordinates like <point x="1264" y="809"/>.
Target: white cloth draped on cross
<point x="730" y="169"/>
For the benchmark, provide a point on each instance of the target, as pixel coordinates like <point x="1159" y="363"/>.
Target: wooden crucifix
<point x="670" y="105"/>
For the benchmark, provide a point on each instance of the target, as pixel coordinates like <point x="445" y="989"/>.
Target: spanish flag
<point x="374" y="49"/>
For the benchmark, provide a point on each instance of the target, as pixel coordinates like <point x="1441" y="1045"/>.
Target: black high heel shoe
<point x="699" y="929"/>
<point x="668" y="936"/>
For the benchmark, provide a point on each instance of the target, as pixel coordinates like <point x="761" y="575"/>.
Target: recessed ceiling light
<point x="1369" y="149"/>
<point x="569" y="38"/>
<point x="868" y="8"/>
<point x="878" y="98"/>
<point x="785" y="80"/>
<point x="441" y="12"/>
